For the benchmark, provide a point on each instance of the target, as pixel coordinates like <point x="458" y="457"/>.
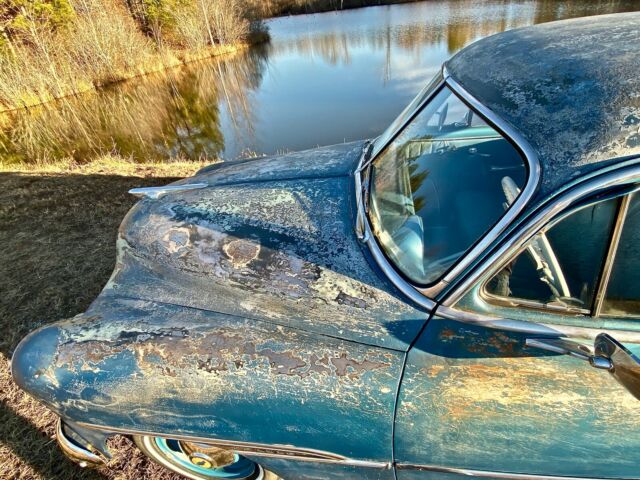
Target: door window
<point x="560" y="267"/>
<point x="623" y="292"/>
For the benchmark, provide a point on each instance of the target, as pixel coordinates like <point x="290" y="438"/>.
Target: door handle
<point x="569" y="347"/>
<point x="607" y="354"/>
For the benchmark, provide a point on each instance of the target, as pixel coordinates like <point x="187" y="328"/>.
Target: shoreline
<point x="177" y="58"/>
<point x="167" y="60"/>
<point x="346" y="5"/>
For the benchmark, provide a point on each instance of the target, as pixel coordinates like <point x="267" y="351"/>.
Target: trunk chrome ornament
<point x="157" y="192"/>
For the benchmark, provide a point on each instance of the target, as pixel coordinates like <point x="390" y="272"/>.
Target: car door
<point x="484" y="401"/>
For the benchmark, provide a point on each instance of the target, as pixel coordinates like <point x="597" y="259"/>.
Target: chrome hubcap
<point x="206" y="456"/>
<point x="206" y="461"/>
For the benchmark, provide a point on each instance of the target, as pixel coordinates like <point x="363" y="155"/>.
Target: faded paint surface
<point x="572" y="89"/>
<point x="271" y="248"/>
<point x="243" y="311"/>
<point x="336" y="160"/>
<point x="478" y="398"/>
<point x="146" y="366"/>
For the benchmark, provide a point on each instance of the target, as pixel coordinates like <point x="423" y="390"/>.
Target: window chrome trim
<point x="288" y="452"/>
<point x="602" y="181"/>
<point x="426" y="296"/>
<point x="533" y="165"/>
<point x="515" y="302"/>
<point x="467" y="472"/>
<point x="529" y="327"/>
<point x="435" y="83"/>
<point x="607" y="268"/>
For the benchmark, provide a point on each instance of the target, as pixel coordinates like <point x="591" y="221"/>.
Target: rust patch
<point x="221" y="352"/>
<point x="448" y="335"/>
<point x="344" y="299"/>
<point x="284" y="363"/>
<point x="504" y="343"/>
<point x="241" y="252"/>
<point x="433" y="371"/>
<point x="351" y="368"/>
<point x="515" y="385"/>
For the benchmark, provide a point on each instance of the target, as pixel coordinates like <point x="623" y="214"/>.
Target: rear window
<point x="439" y="186"/>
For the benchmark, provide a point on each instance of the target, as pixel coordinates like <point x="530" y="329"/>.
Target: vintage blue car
<point x="458" y="298"/>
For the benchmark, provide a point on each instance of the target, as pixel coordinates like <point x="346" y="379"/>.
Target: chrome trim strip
<point x="363" y="227"/>
<point x="288" y="452"/>
<point x="467" y="472"/>
<point x="627" y="174"/>
<point x="157" y="192"/>
<point x="361" y="215"/>
<point x="497" y="323"/>
<point x="611" y="254"/>
<point x="533" y="328"/>
<point x="514" y="302"/>
<point x="425" y="296"/>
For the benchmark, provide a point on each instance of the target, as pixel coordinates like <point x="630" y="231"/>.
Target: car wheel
<point x="199" y="461"/>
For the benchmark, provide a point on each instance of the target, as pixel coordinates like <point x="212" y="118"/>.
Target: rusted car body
<point x="416" y="307"/>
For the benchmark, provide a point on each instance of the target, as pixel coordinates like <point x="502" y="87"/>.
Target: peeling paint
<point x="278" y="249"/>
<point x="493" y="404"/>
<point x="149" y="366"/>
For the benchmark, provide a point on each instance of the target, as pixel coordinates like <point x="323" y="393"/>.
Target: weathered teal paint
<point x="477" y="398"/>
<point x="270" y="247"/>
<point x="137" y="365"/>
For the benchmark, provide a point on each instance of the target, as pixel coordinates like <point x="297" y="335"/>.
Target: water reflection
<point x="323" y="79"/>
<point x="176" y="114"/>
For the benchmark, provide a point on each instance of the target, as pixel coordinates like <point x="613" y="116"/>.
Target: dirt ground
<point x="57" y="249"/>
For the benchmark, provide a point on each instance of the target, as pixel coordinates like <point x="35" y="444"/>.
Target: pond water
<point x="322" y="79"/>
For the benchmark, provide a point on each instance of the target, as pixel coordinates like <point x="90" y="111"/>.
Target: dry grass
<point x="58" y="225"/>
<point x="101" y="46"/>
<point x="104" y="44"/>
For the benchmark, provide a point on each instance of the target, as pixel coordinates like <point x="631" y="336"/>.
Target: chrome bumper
<point x="79" y="451"/>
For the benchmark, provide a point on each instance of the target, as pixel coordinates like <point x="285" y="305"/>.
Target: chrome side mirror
<point x="607" y="354"/>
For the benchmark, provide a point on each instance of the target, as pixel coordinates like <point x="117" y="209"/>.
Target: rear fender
<point x="131" y="366"/>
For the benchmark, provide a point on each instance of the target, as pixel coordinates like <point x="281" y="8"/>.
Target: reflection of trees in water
<point x="173" y="114"/>
<point x="179" y="112"/>
<point x="453" y="25"/>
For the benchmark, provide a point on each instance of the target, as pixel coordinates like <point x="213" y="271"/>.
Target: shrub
<point x="191" y="23"/>
<point x="20" y="18"/>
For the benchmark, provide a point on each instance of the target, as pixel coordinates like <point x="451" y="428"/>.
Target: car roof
<point x="570" y="88"/>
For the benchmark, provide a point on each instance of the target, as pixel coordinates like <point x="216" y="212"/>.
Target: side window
<point x="623" y="291"/>
<point x="439" y="186"/>
<point x="560" y="267"/>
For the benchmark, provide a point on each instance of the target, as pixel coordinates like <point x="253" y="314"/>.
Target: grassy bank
<point x="55" y="48"/>
<point x="52" y="49"/>
<point x="58" y="225"/>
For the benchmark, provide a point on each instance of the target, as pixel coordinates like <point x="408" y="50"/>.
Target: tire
<point x="171" y="455"/>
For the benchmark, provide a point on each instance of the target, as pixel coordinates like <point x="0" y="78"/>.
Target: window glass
<point x="442" y="183"/>
<point x="561" y="265"/>
<point x="623" y="292"/>
<point x="408" y="111"/>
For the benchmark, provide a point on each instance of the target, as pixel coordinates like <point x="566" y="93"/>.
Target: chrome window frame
<point x="426" y="296"/>
<point x="603" y="286"/>
<point x="625" y="172"/>
<point x="601" y="283"/>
